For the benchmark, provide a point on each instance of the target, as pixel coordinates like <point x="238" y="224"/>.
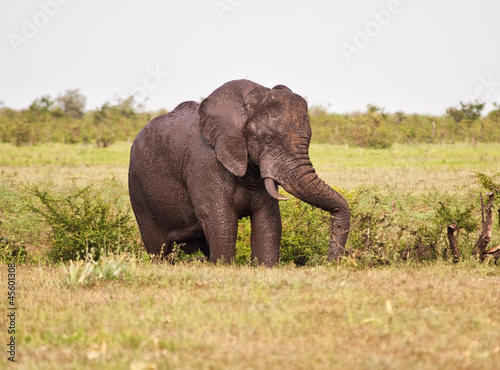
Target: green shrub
<point x="304" y="239"/>
<point x="305" y="233"/>
<point x="385" y="229"/>
<point x="63" y="120"/>
<point x="376" y="233"/>
<point x="463" y="214"/>
<point x="84" y="220"/>
<point x="243" y="250"/>
<point x="489" y="183"/>
<point x="12" y="250"/>
<point x="44" y="121"/>
<point x="468" y="111"/>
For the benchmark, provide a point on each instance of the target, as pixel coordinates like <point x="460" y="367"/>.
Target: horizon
<point x="139" y="109"/>
<point x="415" y="57"/>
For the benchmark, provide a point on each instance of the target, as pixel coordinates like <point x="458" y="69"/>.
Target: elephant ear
<point x="223" y="116"/>
<point x="281" y="87"/>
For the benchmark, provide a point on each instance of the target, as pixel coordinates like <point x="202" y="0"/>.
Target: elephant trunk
<point x="301" y="180"/>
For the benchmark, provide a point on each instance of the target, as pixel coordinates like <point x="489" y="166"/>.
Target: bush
<point x="305" y="233"/>
<point x="304" y="239"/>
<point x="243" y="250"/>
<point x="376" y="129"/>
<point x="64" y="120"/>
<point x="12" y="251"/>
<point x="305" y="236"/>
<point x="385" y="229"/>
<point x="45" y="121"/>
<point x="84" y="221"/>
<point x="468" y="111"/>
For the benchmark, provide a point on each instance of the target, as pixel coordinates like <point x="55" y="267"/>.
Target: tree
<point x="44" y="104"/>
<point x="372" y="108"/>
<point x="495" y="113"/>
<point x="72" y="103"/>
<point x="468" y="111"/>
<point x="127" y="106"/>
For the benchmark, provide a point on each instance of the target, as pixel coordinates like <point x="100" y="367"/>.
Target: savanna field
<point x="89" y="297"/>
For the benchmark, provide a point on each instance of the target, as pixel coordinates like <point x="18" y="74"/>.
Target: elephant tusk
<point x="272" y="189"/>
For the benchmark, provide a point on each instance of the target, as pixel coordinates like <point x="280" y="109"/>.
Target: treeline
<point x="377" y="129"/>
<point x="65" y="120"/>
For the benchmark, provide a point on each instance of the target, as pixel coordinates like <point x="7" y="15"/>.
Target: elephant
<point x="198" y="169"/>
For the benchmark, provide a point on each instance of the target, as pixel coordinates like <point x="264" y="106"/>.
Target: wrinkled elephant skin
<point x="198" y="169"/>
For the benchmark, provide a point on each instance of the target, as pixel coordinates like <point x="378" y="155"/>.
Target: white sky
<point x="421" y="56"/>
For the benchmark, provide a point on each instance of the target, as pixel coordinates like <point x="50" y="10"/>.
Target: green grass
<point x="63" y="163"/>
<point x="198" y="316"/>
<point x="64" y="155"/>
<point x="425" y="156"/>
<point x="343" y="166"/>
<point x="420" y="168"/>
<point x="126" y="312"/>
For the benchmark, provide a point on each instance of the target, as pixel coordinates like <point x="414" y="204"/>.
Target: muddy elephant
<point x="198" y="169"/>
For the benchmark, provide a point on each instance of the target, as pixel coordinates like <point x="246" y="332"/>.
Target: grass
<point x="198" y="316"/>
<point x="124" y="312"/>
<point x="421" y="166"/>
<point x="63" y="163"/>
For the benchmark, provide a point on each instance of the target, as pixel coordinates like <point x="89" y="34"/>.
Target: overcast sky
<point x="416" y="56"/>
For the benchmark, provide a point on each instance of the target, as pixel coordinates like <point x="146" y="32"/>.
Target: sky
<point x="407" y="55"/>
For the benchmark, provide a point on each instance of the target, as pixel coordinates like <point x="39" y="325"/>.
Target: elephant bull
<point x="198" y="169"/>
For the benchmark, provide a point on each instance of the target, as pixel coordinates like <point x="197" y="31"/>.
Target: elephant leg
<point x="220" y="233"/>
<point x="153" y="237"/>
<point x="196" y="244"/>
<point x="266" y="233"/>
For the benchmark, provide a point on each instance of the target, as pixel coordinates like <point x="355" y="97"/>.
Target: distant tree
<point x="372" y="108"/>
<point x="72" y="103"/>
<point x="44" y="104"/>
<point x="317" y="110"/>
<point x="128" y="106"/>
<point x="495" y="113"/>
<point x="468" y="111"/>
<point x="400" y="116"/>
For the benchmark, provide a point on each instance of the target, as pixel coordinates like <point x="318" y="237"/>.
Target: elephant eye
<point x="268" y="138"/>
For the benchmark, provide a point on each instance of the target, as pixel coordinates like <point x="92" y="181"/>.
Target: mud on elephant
<point x="198" y="169"/>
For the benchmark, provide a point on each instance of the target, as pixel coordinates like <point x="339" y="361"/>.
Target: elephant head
<point x="253" y="126"/>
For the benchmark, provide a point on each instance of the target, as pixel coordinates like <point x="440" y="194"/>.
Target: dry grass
<point x="202" y="316"/>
